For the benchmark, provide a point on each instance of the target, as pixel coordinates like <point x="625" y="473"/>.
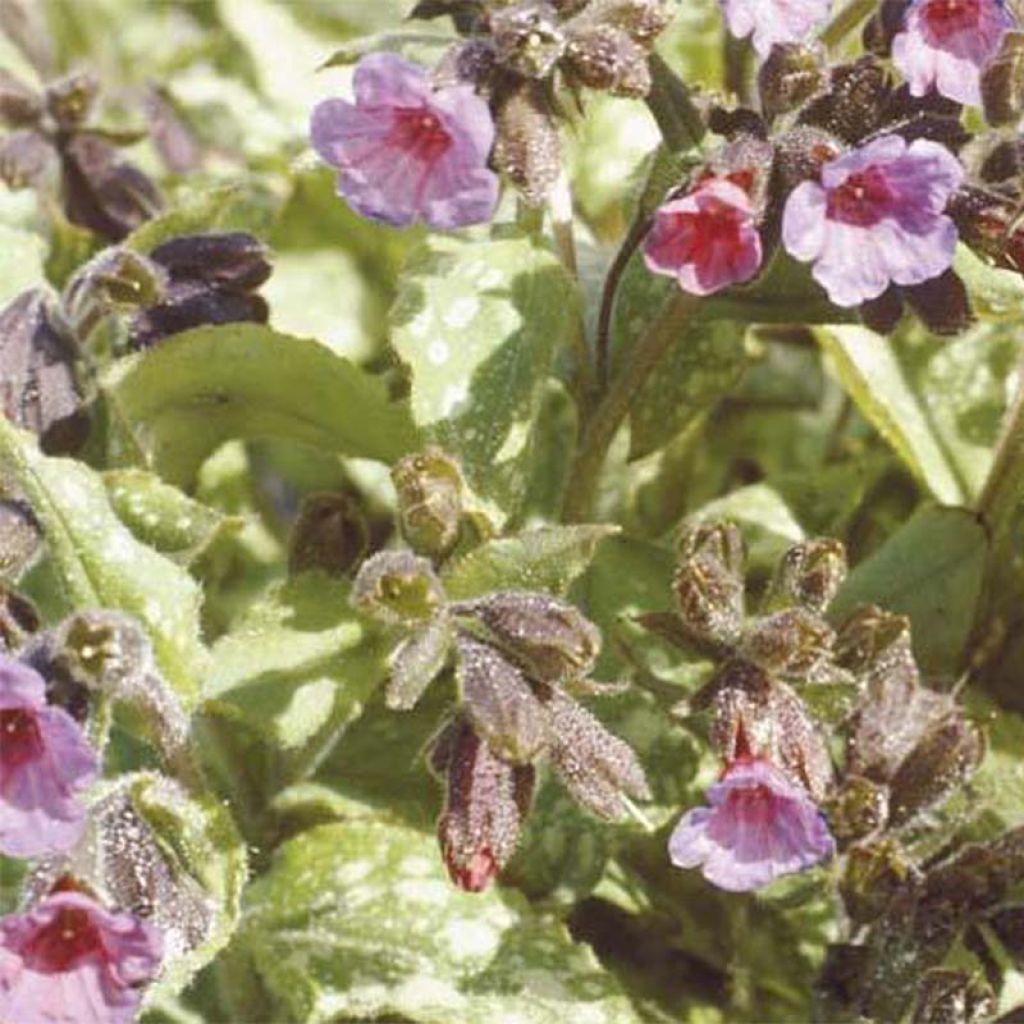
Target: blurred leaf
<point x="359" y="920"/>
<point x="996" y="294"/>
<point x="21" y="262"/>
<point x="478" y="323"/>
<point x="931" y="570"/>
<point x="99" y="564"/>
<point x="185" y="397"/>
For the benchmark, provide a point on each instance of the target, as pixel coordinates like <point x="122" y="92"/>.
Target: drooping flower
<point x="45" y="763"/>
<point x="406" y="151"/>
<point x="70" y="961"/>
<point x="876" y="218"/>
<point x="760" y="826"/>
<point x="945" y="44"/>
<point x="707" y="240"/>
<point x="774" y="21"/>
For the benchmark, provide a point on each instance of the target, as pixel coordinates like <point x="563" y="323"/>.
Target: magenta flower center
<point x="946" y="18"/>
<point x="20" y="741"/>
<point x="716" y="223"/>
<point x="69" y="937"/>
<point x="863" y="199"/>
<point x="420" y="134"/>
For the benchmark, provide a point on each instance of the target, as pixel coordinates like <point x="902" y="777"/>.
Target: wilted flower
<point x="760" y="826"/>
<point x="707" y="239"/>
<point x="945" y="44"/>
<point x="407" y="151"/>
<point x="877" y="217"/>
<point x="774" y="21"/>
<point x="45" y="763"/>
<point x="398" y="588"/>
<point x="69" y="960"/>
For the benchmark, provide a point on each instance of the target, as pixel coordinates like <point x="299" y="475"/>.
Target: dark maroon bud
<point x="549" y="638"/>
<point x="18" y="620"/>
<point x="793" y="643"/>
<point x="528" y="148"/>
<point x="791" y="74"/>
<point x="398" y="588"/>
<point x="644" y="20"/>
<point x="101" y="191"/>
<point x="946" y="996"/>
<point x="39" y="388"/>
<point x="987" y="222"/>
<point x="851" y="106"/>
<point x="527" y="37"/>
<point x="329" y="533"/>
<point x="70" y="99"/>
<point x="19" y="104"/>
<point x="25" y="158"/>
<point x="942" y="303"/>
<point x="809" y="574"/>
<point x="1002" y="82"/>
<point x="1003" y="160"/>
<point x="486" y="803"/>
<point x="858" y="808"/>
<point x="171" y="134"/>
<point x="234" y="260"/>
<point x="737" y="123"/>
<point x="708" y="584"/>
<point x="417" y="661"/>
<point x="800" y="154"/>
<point x="499" y="701"/>
<point x="471" y="61"/>
<point x="882" y="314"/>
<point x="21" y="537"/>
<point x="599" y="770"/>
<point x="430" y="491"/>
<point x="605" y="58"/>
<point x="875" y="874"/>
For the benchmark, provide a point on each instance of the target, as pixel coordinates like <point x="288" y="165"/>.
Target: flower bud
<point x="986" y="222"/>
<point x="800" y="154"/>
<point x="21" y="538"/>
<point x="398" y="588"/>
<point x="528" y="148"/>
<point x="791" y="75"/>
<point x="598" y="769"/>
<point x="809" y="574"/>
<point x="858" y="808"/>
<point x="946" y="996"/>
<point x="430" y="489"/>
<point x="502" y="706"/>
<point x="19" y="104"/>
<point x="329" y="533"/>
<point x="486" y="802"/>
<point x="70" y="99"/>
<point x="18" y="620"/>
<point x="550" y="639"/>
<point x="233" y="260"/>
<point x="39" y="388"/>
<point x="527" y="38"/>
<point x="643" y="20"/>
<point x="851" y="107"/>
<point x="604" y="57"/>
<point x="417" y="661"/>
<point x="1002" y="82"/>
<point x="708" y="583"/>
<point x="791" y="643"/>
<point x="874" y="875"/>
<point x="942" y="303"/>
<point x="25" y="159"/>
<point x="471" y="61"/>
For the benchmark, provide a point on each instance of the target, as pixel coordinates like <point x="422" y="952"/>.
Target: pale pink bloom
<point x="774" y="21"/>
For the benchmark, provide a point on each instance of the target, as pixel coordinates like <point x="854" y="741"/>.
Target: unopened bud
<point x="25" y="158"/>
<point x="527" y="38"/>
<point x="851" y="106"/>
<point x="329" y="533"/>
<point x="605" y="58"/>
<point x="874" y="876"/>
<point x="70" y="99"/>
<point x="430" y="490"/>
<point x="234" y="260"/>
<point x="809" y="574"/>
<point x="1002" y="82"/>
<point x="708" y="583"/>
<point x="800" y="154"/>
<point x="528" y="148"/>
<point x="946" y="996"/>
<point x="942" y="303"/>
<point x="791" y="74"/>
<point x="858" y="808"/>
<point x="19" y="105"/>
<point x="398" y="588"/>
<point x="791" y="643"/>
<point x="118" y="280"/>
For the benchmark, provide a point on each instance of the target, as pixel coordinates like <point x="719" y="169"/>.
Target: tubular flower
<point x="769" y="22"/>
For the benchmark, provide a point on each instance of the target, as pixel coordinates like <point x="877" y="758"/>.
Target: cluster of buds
<point x="782" y="805"/>
<point x="519" y="660"/>
<point x="50" y="134"/>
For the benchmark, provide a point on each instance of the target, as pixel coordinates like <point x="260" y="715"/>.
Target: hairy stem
<point x="1004" y="489"/>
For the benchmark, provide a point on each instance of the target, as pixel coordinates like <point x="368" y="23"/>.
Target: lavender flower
<point x="759" y="826"/>
<point x="945" y="44"/>
<point x="69" y="961"/>
<point x="876" y="218"/>
<point x="707" y="239"/>
<point x="45" y="763"/>
<point x="774" y="21"/>
<point x="407" y="151"/>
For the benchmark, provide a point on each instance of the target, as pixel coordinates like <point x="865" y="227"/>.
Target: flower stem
<point x="1003" y="492"/>
<point x="845" y="21"/>
<point x="602" y="426"/>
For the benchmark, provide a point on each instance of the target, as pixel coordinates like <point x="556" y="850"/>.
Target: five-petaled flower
<point x="877" y="218"/>
<point x="707" y="239"/>
<point x="774" y="21"/>
<point x="760" y="826"/>
<point x="70" y="961"/>
<point x="407" y="151"/>
<point x="45" y="763"/>
<point x="945" y="44"/>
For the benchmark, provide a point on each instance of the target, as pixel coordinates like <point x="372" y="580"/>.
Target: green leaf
<point x="182" y="399"/>
<point x="21" y="262"/>
<point x="931" y="570"/>
<point x="100" y="564"/>
<point x="359" y="920"/>
<point x="478" y="324"/>
<point x="549" y="558"/>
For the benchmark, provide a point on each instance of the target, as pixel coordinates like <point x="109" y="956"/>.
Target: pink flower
<point x="407" y="151"/>
<point x="69" y="961"/>
<point x="876" y="218"/>
<point x="774" y="21"/>
<point x="45" y="763"/>
<point x="708" y="239"/>
<point x="945" y="44"/>
<point x="759" y="826"/>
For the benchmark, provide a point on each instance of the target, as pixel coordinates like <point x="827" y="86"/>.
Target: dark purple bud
<point x="809" y="574"/>
<point x="599" y="770"/>
<point x="101" y="191"/>
<point x="549" y="638"/>
<point x="417" y="661"/>
<point x="430" y="489"/>
<point x="946" y="996"/>
<point x="605" y="58"/>
<point x="858" y="808"/>
<point x="851" y="106"/>
<point x="486" y="802"/>
<point x="527" y="38"/>
<point x="1002" y="82"/>
<point x="25" y="158"/>
<point x="800" y="154"/>
<point x="471" y="62"/>
<point x="499" y="701"/>
<point x="172" y="136"/>
<point x="19" y="104"/>
<point x="791" y="74"/>
<point x="39" y="388"/>
<point x="234" y="260"/>
<point x="528" y="148"/>
<point x="18" y="620"/>
<point x="708" y="584"/>
<point x="793" y="643"/>
<point x="398" y="588"/>
<point x="882" y="314"/>
<point x="1001" y="160"/>
<point x="987" y="222"/>
<point x="329" y="533"/>
<point x="875" y="875"/>
<point x="21" y="537"/>
<point x="70" y="99"/>
<point x="942" y="303"/>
